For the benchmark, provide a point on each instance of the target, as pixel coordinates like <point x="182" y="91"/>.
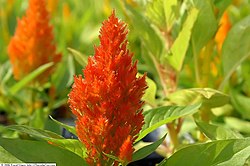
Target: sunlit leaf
<point x="180" y="46"/>
<point x="163" y="13"/>
<point x="155" y="13"/>
<point x="156" y="117"/>
<point x="170" y="8"/>
<point x="221" y="153"/>
<point x="149" y="96"/>
<point x="209" y="97"/>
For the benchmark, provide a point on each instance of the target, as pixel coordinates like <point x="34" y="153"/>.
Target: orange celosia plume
<point x="32" y="44"/>
<point x="221" y="34"/>
<point x="107" y="102"/>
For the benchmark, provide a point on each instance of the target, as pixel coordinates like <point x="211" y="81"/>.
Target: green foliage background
<point x="194" y="90"/>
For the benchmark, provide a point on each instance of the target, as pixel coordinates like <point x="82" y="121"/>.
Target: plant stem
<point x="173" y="134"/>
<point x="196" y="63"/>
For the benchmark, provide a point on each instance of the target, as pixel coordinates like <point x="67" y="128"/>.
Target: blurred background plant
<point x="193" y="51"/>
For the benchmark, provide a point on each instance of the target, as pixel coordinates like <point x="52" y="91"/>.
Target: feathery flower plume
<point x="107" y="102"/>
<point x="221" y="34"/>
<point x="32" y="44"/>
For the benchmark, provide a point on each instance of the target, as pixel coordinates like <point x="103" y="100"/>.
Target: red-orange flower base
<point x="107" y="102"/>
<point x="32" y="45"/>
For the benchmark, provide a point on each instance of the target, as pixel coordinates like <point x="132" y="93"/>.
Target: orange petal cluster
<point x="221" y="34"/>
<point x="32" y="44"/>
<point x="107" y="101"/>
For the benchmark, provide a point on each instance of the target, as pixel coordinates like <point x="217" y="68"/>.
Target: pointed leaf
<point x="19" y="85"/>
<point x="147" y="150"/>
<point x="209" y="98"/>
<point x="150" y="37"/>
<point x="154" y="118"/>
<point x="181" y="44"/>
<point x="79" y="57"/>
<point x="39" y="133"/>
<point x="241" y="104"/>
<point x="5" y="72"/>
<point x="155" y="13"/>
<point x="170" y="11"/>
<point x="112" y="157"/>
<point x="72" y="145"/>
<point x="236" y="48"/>
<point x="201" y="33"/>
<point x="215" y="132"/>
<point x="67" y="127"/>
<point x="149" y="96"/>
<point x="222" y="153"/>
<point x="238" y="124"/>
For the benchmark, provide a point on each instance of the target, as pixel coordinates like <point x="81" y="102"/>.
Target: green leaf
<point x="162" y="13"/>
<point x="181" y="44"/>
<point x="34" y="131"/>
<point x="209" y="98"/>
<point x="5" y="73"/>
<point x="6" y="157"/>
<point x="241" y="104"/>
<point x="67" y="127"/>
<point x="71" y="71"/>
<point x="37" y="151"/>
<point x="205" y="26"/>
<point x="72" y="145"/>
<point x="151" y="38"/>
<point x="215" y="132"/>
<point x="69" y="144"/>
<point x="236" y="48"/>
<point x="222" y="6"/>
<point x="79" y="57"/>
<point x="112" y="157"/>
<point x="147" y="150"/>
<point x="238" y="124"/>
<point x="38" y="118"/>
<point x="170" y="12"/>
<point x="149" y="96"/>
<point x="63" y="76"/>
<point x="156" y="117"/>
<point x="245" y="70"/>
<point x="230" y="152"/>
<point x="19" y="85"/>
<point x="155" y="13"/>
